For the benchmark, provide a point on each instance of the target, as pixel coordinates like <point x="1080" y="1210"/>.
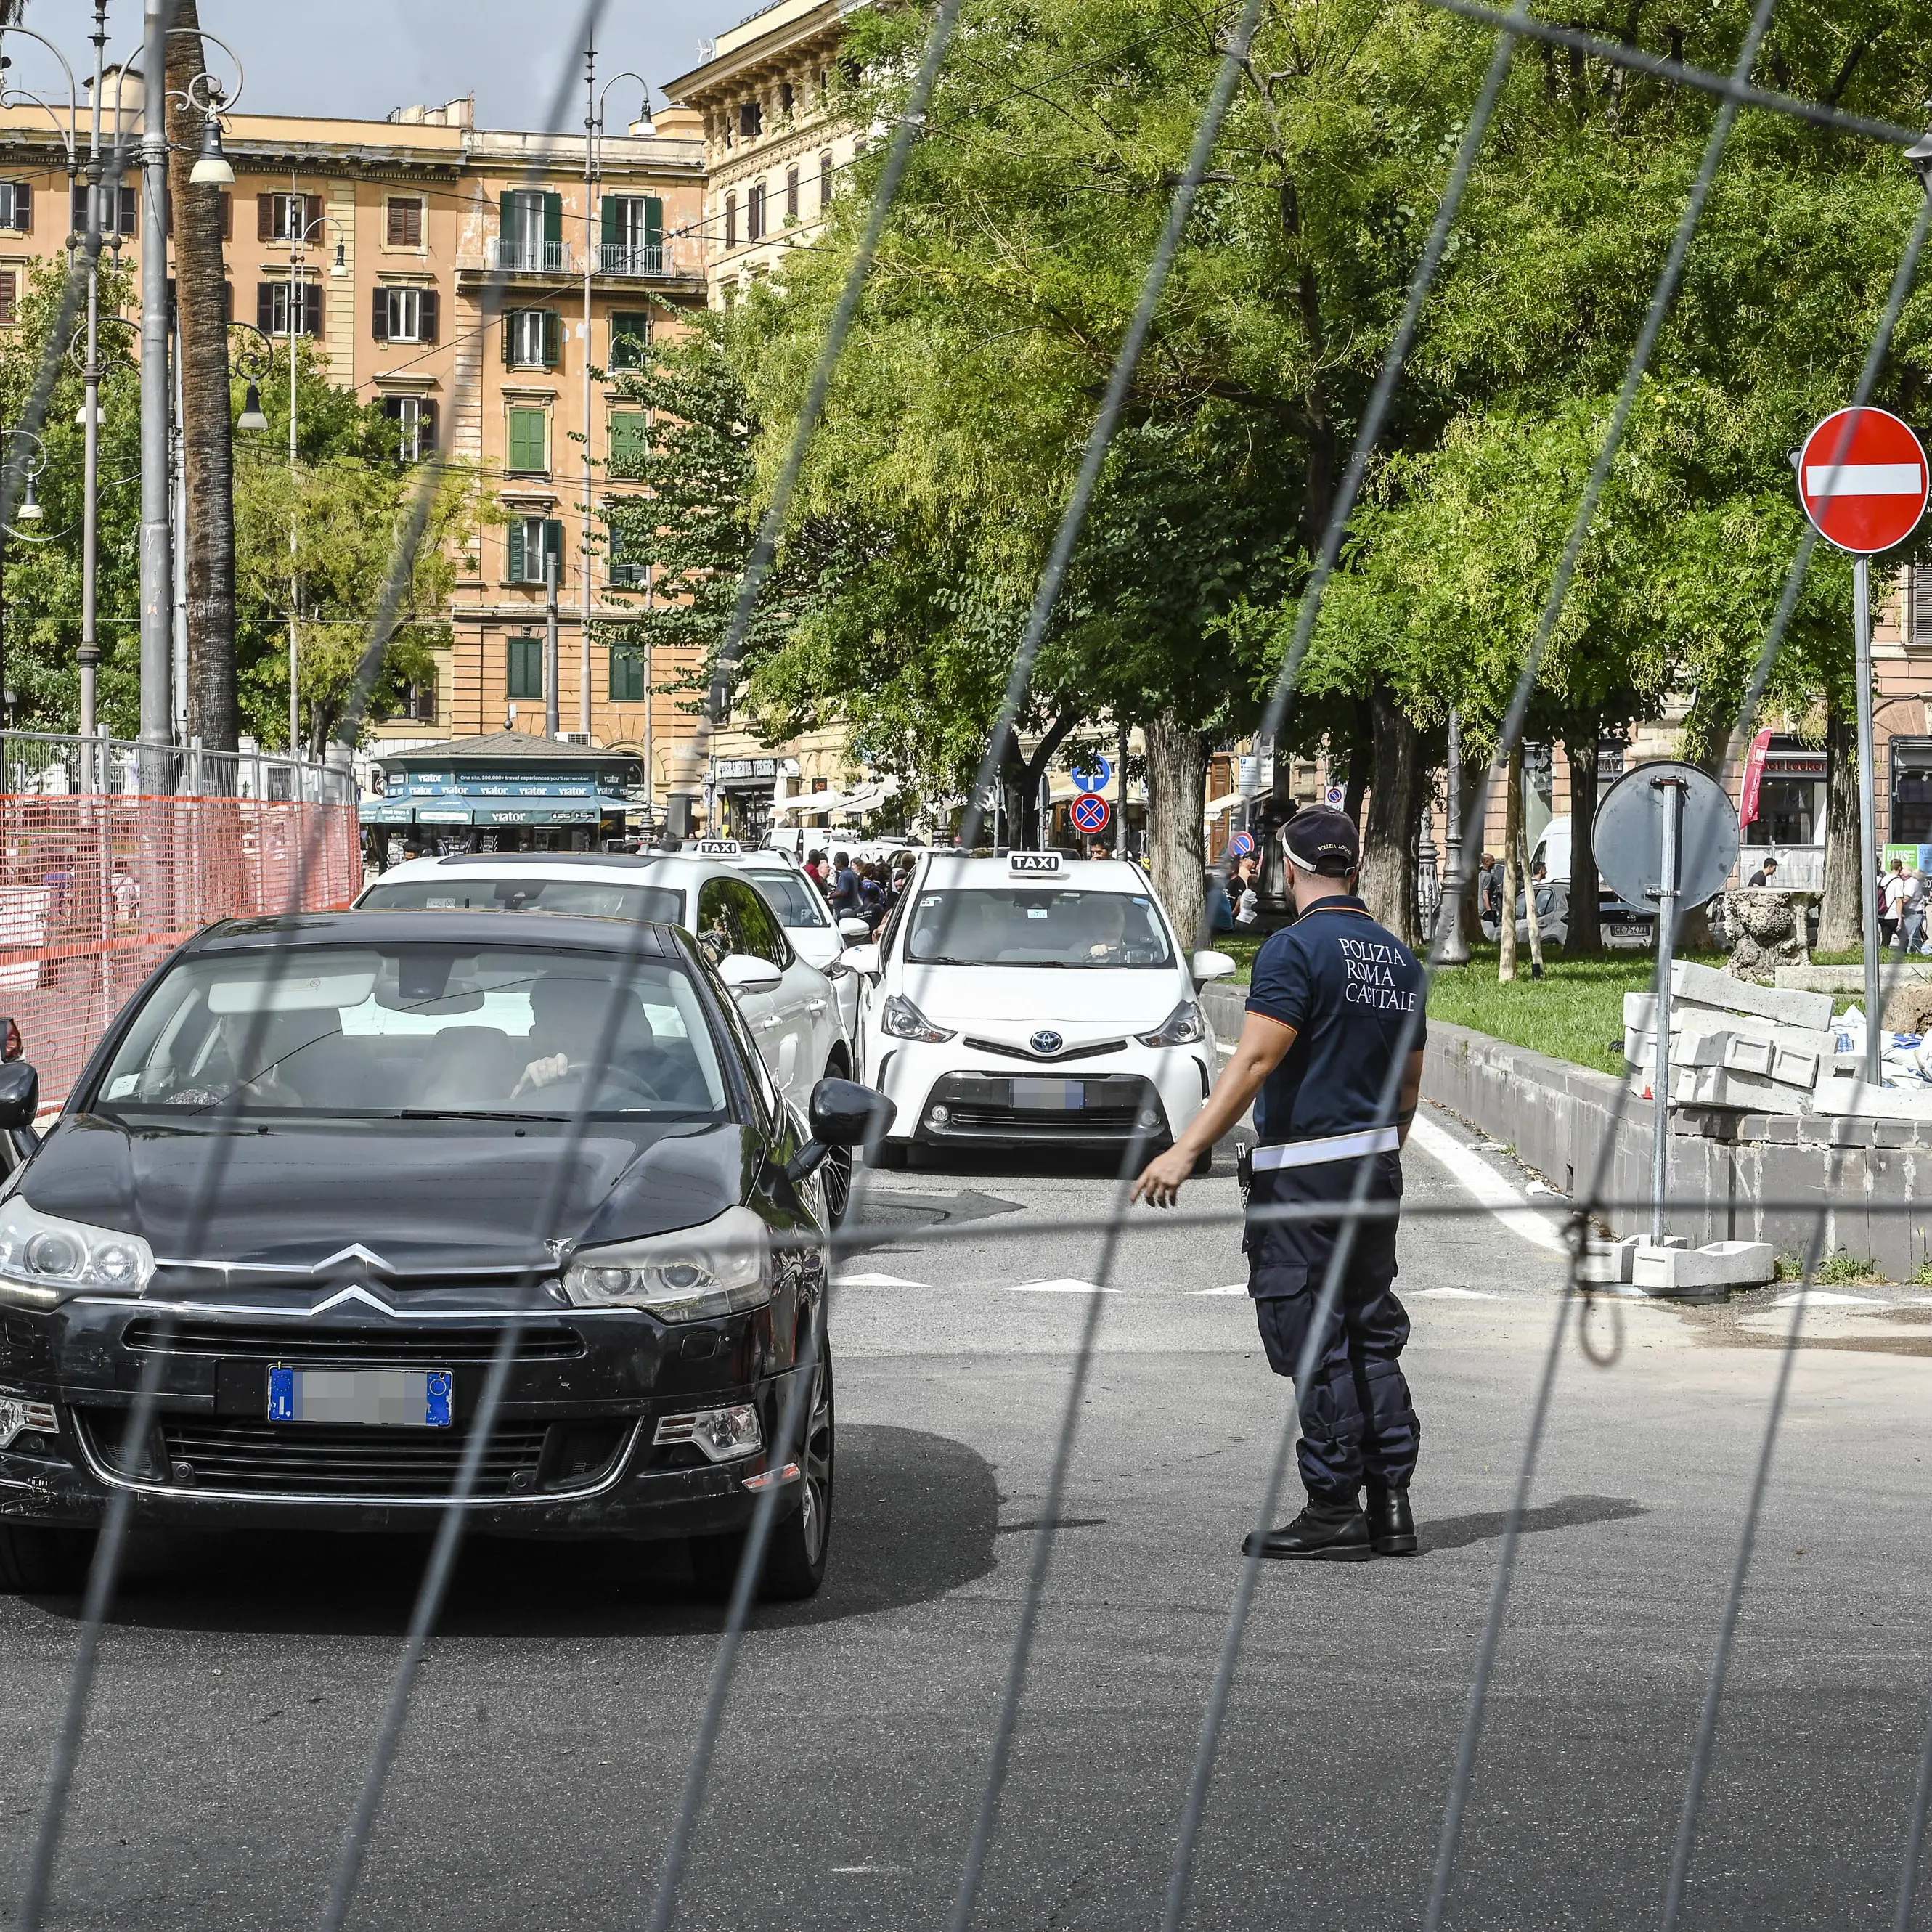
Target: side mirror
<point x="856" y="930"/>
<point x="863" y="959"/>
<point x="744" y="972"/>
<point x="1207" y="966"/>
<point x="20" y="1094"/>
<point x="844" y="1114"/>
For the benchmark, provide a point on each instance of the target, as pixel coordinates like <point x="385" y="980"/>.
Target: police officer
<point x="1333" y="999"/>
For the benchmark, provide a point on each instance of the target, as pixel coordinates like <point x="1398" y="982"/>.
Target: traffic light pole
<point x="157" y="563"/>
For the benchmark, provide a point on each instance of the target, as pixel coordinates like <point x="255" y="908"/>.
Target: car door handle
<point x="815" y="1006"/>
<point x="769" y="1020"/>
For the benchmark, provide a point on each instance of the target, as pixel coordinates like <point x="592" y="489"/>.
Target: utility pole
<point x="553" y="723"/>
<point x="177" y="500"/>
<point x="298" y="234"/>
<point x="89" y="654"/>
<point x="592" y="241"/>
<point x="1452" y="947"/>
<point x="156" y="564"/>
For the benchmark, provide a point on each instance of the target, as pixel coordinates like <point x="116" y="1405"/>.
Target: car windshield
<point x="1021" y="925"/>
<point x="791" y="898"/>
<point x="387" y="1031"/>
<point x="582" y="898"/>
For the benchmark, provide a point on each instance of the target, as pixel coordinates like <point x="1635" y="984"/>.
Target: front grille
<point x="983" y="1103"/>
<point x="1073" y="1126"/>
<point x="1095" y="1050"/>
<point x="438" y="1346"/>
<point x="312" y="1459"/>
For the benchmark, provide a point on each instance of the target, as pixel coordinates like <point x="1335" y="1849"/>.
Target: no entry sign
<point x="1861" y="477"/>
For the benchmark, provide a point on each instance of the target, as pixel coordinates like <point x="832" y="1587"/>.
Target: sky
<point x="362" y="58"/>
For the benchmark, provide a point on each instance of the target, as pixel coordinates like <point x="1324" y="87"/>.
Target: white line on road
<point x="1487" y="1185"/>
<point x="1824" y="1297"/>
<point x="875" y="1281"/>
<point x="1455" y="1294"/>
<point x="1233" y="1287"/>
<point x="1065" y="1286"/>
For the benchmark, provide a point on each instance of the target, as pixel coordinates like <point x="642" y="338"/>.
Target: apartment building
<point x="379" y="240"/>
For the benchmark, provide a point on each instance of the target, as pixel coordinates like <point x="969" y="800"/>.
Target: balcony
<point x="676" y="258"/>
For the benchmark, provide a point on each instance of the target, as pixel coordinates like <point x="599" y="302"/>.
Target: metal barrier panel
<point x="95" y="891"/>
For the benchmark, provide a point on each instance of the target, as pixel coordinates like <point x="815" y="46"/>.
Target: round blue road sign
<point x="1091" y="812"/>
<point x="1241" y="845"/>
<point x="1096" y="777"/>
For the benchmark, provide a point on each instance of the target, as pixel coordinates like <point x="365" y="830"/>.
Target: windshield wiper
<point x="468" y="1114"/>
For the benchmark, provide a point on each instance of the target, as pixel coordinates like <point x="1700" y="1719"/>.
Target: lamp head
<point x="251" y="418"/>
<point x="29" y="511"/>
<point x="341" y="267"/>
<point x="212" y="169"/>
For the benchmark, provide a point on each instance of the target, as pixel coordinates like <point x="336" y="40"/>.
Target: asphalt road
<point x="242" y="1679"/>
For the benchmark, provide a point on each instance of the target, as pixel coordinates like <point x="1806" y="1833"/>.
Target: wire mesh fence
<point x="100" y="850"/>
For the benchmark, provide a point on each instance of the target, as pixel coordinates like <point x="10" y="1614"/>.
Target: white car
<point x="809" y="921"/>
<point x="1032" y="999"/>
<point x="789" y="1006"/>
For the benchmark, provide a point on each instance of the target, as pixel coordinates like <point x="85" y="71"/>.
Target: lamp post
<point x="593" y="172"/>
<point x="27" y="466"/>
<point x="298" y="236"/>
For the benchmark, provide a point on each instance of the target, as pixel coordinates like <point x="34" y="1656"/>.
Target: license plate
<point x="382" y="1398"/>
<point x="1057" y="1096"/>
<point x="1624" y="930"/>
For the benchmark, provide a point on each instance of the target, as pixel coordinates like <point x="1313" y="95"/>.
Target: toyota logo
<point x="1046" y="1041"/>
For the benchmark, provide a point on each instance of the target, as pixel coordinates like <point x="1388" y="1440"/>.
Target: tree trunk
<point x="1361" y="752"/>
<point x="1512" y="833"/>
<point x="1475" y="771"/>
<point x="1388" y="883"/>
<point x="1586" y="932"/>
<point x="207" y="452"/>
<point x="1841" y="918"/>
<point x="1532" y="913"/>
<point x="1177" y="847"/>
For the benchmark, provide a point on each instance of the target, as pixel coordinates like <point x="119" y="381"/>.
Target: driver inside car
<point x="570" y="1019"/>
<point x="1107" y="931"/>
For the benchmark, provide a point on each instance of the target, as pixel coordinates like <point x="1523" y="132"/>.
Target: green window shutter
<point x="611" y="237"/>
<point x="627" y="674"/>
<point x="516" y="572"/>
<point x="553" y="339"/>
<point x="528" y="440"/>
<point x="553" y="219"/>
<point x="630" y="337"/>
<point x="630" y="442"/>
<point x="506" y="332"/>
<point x="506" y="225"/>
<point x="552" y="540"/>
<point x="653" y="221"/>
<point x="523" y="672"/>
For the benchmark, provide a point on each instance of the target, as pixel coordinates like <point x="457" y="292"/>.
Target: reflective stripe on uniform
<point x="1332" y="1147"/>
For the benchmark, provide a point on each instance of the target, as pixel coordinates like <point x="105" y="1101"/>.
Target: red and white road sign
<point x="1862" y="479"/>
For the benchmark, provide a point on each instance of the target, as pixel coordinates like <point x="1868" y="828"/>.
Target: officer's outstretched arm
<point x="1263" y="1046"/>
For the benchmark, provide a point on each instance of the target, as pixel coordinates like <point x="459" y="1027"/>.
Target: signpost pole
<point x="1868" y="821"/>
<point x="1668" y="882"/>
<point x="1455" y="949"/>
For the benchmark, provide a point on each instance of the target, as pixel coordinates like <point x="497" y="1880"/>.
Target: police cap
<point x="1318" y="838"/>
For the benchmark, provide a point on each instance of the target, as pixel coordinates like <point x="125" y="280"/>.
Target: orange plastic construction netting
<point x="96" y="890"/>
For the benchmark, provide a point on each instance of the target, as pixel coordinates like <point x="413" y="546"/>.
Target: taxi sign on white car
<point x="1034" y="861"/>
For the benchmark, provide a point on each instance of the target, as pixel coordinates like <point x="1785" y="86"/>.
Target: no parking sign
<point x="1241" y="845"/>
<point x="1091" y="812"/>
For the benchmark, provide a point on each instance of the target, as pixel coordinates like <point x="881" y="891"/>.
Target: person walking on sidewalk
<point x="1333" y="999"/>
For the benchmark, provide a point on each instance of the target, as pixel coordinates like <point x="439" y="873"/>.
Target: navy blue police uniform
<point x="1354" y="994"/>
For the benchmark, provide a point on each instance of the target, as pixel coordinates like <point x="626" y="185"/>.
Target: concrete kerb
<point x="1733" y="1176"/>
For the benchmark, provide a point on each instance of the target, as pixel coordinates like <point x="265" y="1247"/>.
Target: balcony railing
<point x="517" y="257"/>
<point x="679" y="256"/>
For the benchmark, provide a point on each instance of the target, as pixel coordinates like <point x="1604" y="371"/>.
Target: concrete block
<point x="1785" y="1004"/>
<point x="1711" y="1269"/>
<point x="1607" y="1264"/>
<point x="1842" y="1095"/>
<point x="1898" y="1133"/>
<point x="1689" y="1047"/>
<point x="1744" y="1055"/>
<point x="1752" y="1093"/>
<point x="1640" y="1012"/>
<point x="1793" y="1067"/>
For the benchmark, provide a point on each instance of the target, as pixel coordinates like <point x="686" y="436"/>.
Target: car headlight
<point x="723" y="1267"/>
<point x="904" y="1021"/>
<point x="45" y="1258"/>
<point x="1182" y="1027"/>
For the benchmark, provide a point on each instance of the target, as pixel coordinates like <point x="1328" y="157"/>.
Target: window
<point x="9" y="294"/>
<point x="825" y="180"/>
<point x="791" y="194"/>
<point x="755" y="212"/>
<point x="404" y="315"/>
<point x="532" y="338"/>
<point x="626" y="565"/>
<point x="226" y="202"/>
<point x="532" y="241"/>
<point x="534" y="542"/>
<point x="788" y="97"/>
<point x="419" y="702"/>
<point x="633" y="235"/>
<point x="1035" y="925"/>
<point x="630" y="442"/>
<point x="405" y="222"/>
<point x="750" y="118"/>
<point x="630" y="339"/>
<point x="529" y="443"/>
<point x="272" y="308"/>
<point x="286" y="218"/>
<point x="627" y="674"/>
<point x="730" y="221"/>
<point x="124" y="201"/>
<point x="415" y="419"/>
<point x="17" y="206"/>
<point x="523" y="672"/>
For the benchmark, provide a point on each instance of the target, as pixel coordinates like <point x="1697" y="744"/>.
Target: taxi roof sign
<point x="722" y="847"/>
<point x="1033" y="862"/>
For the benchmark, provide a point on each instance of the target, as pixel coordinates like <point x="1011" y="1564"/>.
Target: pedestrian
<point x="1911" y="918"/>
<point x="814" y="864"/>
<point x="1766" y="874"/>
<point x="1220" y="908"/>
<point x="844" y="886"/>
<point x="1894" y="891"/>
<point x="1333" y="1000"/>
<point x="1247" y="900"/>
<point x="1489" y="890"/>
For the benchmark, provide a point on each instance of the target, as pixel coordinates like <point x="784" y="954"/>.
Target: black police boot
<point x="1391" y="1527"/>
<point x="1322" y="1533"/>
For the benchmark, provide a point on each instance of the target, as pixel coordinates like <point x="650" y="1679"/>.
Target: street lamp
<point x="251" y="420"/>
<point x="212" y="168"/>
<point x="27" y="466"/>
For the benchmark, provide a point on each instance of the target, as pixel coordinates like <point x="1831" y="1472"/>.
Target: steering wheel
<point x="578" y="1075"/>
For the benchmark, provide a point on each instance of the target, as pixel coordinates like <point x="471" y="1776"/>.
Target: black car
<point x="319" y="1163"/>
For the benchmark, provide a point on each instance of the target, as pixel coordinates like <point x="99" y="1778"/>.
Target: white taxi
<point x="1033" y="999"/>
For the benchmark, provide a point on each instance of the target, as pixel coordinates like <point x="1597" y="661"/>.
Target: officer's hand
<point x="1159" y="1183"/>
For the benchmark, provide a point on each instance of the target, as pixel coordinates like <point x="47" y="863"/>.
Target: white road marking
<point x="1065" y="1286"/>
<point x="1222" y="1046"/>
<point x="874" y="1281"/>
<point x="1487" y="1185"/>
<point x="1455" y="1294"/>
<point x="861" y="1870"/>
<point x="1825" y="1298"/>
<point x="1233" y="1287"/>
